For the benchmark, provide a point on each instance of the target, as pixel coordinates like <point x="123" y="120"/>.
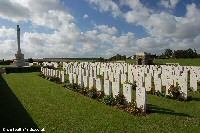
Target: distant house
<point x="144" y="59"/>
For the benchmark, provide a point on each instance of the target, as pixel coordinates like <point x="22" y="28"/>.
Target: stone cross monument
<point x="19" y="62"/>
<point x="18" y="39"/>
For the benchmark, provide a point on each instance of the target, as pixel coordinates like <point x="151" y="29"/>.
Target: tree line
<point x="189" y="53"/>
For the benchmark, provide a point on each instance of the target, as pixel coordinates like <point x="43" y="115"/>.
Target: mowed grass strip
<point x="60" y="110"/>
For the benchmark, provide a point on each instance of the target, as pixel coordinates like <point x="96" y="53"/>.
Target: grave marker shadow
<point x="155" y="109"/>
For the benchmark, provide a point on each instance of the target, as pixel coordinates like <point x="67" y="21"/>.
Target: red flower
<point x="172" y="86"/>
<point x="169" y="90"/>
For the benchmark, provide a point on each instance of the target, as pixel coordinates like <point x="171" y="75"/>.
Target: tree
<point x="118" y="57"/>
<point x="195" y="53"/>
<point x="101" y="59"/>
<point x="189" y="53"/>
<point x="168" y="53"/>
<point x="129" y="57"/>
<point x="179" y="54"/>
<point x="30" y="60"/>
<point x="123" y="57"/>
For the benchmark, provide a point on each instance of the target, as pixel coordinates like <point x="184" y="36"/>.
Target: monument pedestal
<point x="19" y="62"/>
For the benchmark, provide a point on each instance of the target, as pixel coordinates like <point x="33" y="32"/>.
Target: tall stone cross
<point x="18" y="39"/>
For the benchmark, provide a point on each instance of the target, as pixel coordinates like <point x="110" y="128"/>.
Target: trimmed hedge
<point x="7" y="62"/>
<point x="22" y="69"/>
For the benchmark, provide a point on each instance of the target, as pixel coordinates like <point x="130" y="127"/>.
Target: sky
<point x="98" y="28"/>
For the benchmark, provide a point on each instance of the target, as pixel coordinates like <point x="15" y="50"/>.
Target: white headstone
<point x="124" y="78"/>
<point x="184" y="89"/>
<point x="75" y="78"/>
<point x="71" y="78"/>
<point x="127" y="92"/>
<point x="107" y="87"/>
<point x="91" y="82"/>
<point x="63" y="77"/>
<point x="98" y="84"/>
<point x="158" y="84"/>
<point x="86" y="81"/>
<point x="141" y="98"/>
<point x="148" y="82"/>
<point x="80" y="80"/>
<point x="115" y="88"/>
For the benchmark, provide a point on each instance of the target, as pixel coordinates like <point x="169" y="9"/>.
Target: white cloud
<point x="139" y="13"/>
<point x="168" y="25"/>
<point x="4" y="32"/>
<point x="106" y="5"/>
<point x="106" y="29"/>
<point x="13" y="11"/>
<point x="7" y="49"/>
<point x="169" y="3"/>
<point x="49" y="14"/>
<point x="165" y="31"/>
<point x="85" y="16"/>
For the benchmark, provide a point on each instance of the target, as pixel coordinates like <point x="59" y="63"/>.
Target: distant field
<point x="27" y="100"/>
<point x="183" y="62"/>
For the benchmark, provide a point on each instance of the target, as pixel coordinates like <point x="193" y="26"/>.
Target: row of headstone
<point x="163" y="75"/>
<point x="110" y="74"/>
<point x="110" y="88"/>
<point x="121" y="73"/>
<point x="54" y="73"/>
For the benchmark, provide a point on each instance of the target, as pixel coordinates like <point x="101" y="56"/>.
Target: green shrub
<point x="108" y="100"/>
<point x="41" y="75"/>
<point x="84" y="90"/>
<point x="55" y="79"/>
<point x="134" y="85"/>
<point x="7" y="62"/>
<point x="158" y="93"/>
<point x="92" y="93"/>
<point x="174" y="92"/>
<point x="73" y="87"/>
<point x="198" y="83"/>
<point x="30" y="60"/>
<point x="22" y="69"/>
<point x="120" y="100"/>
<point x="100" y="95"/>
<point x="132" y="109"/>
<point x="152" y="91"/>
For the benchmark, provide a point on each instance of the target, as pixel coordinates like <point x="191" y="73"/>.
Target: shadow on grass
<point x="190" y="98"/>
<point x="12" y="112"/>
<point x="155" y="109"/>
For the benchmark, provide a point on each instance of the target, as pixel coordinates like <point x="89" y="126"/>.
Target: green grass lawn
<point x="27" y="100"/>
<point x="183" y="62"/>
<point x="3" y="66"/>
